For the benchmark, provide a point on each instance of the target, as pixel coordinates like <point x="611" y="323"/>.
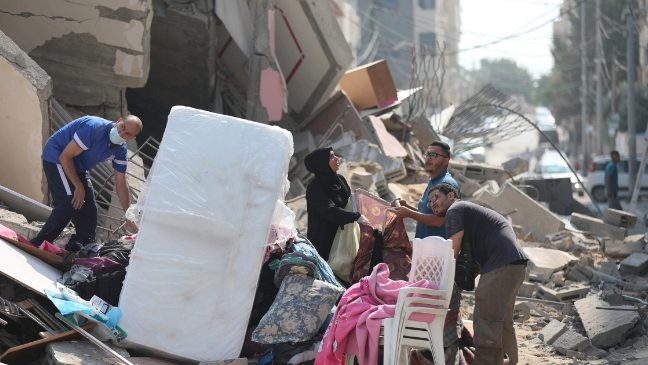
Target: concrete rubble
<point x="605" y="327"/>
<point x="586" y="290"/>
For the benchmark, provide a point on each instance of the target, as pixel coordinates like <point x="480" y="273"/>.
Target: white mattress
<point x="193" y="272"/>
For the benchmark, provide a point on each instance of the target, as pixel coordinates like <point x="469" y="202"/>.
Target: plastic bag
<point x="344" y="249"/>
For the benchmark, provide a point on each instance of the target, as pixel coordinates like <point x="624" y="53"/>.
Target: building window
<point x="427" y="4"/>
<point x="428" y="40"/>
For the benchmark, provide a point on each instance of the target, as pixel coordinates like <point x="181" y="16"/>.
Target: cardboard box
<point x="369" y="85"/>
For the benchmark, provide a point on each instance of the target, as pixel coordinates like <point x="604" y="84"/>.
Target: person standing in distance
<point x="612" y="181"/>
<point x="69" y="154"/>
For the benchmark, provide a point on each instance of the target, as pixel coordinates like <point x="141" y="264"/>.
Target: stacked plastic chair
<point x="433" y="259"/>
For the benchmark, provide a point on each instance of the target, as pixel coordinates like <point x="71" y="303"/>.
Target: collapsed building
<point x="144" y="57"/>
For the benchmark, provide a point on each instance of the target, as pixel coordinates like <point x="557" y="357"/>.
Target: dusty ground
<point x="531" y="351"/>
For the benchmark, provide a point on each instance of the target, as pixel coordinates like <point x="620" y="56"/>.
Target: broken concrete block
<point x="635" y="264"/>
<point x="552" y="331"/>
<point x="623" y="249"/>
<point x="619" y="218"/>
<point x="527" y="290"/>
<point x="18" y="223"/>
<point x="597" y="226"/>
<point x="80" y="352"/>
<point x="538" y="220"/>
<point x="516" y="165"/>
<point x="468" y="186"/>
<point x="578" y="272"/>
<point x="362" y="150"/>
<point x="605" y="327"/>
<point x="115" y="39"/>
<point x="560" y="240"/>
<point x="565" y="293"/>
<point x="558" y="278"/>
<point x="543" y="262"/>
<point x="584" y="241"/>
<point x="610" y="268"/>
<point x="570" y="341"/>
<point x="479" y="172"/>
<point x="522" y="311"/>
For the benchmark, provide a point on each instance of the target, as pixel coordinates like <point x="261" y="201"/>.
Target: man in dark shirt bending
<point x="502" y="264"/>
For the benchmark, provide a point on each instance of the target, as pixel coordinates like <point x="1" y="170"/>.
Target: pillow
<point x="298" y="311"/>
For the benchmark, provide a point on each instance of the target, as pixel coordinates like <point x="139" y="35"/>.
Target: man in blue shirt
<point x="612" y="181"/>
<point x="68" y="156"/>
<point x="437" y="158"/>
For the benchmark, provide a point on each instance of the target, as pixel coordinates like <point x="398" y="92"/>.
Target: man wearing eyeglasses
<point x="437" y="157"/>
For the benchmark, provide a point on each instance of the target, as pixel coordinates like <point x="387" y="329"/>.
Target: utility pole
<point x="632" y="129"/>
<point x="584" y="116"/>
<point x="598" y="132"/>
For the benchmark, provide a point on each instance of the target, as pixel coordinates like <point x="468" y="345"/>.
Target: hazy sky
<point x="484" y="21"/>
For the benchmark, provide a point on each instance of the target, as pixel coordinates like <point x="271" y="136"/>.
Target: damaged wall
<point x="25" y="91"/>
<point x="92" y="49"/>
<point x="183" y="63"/>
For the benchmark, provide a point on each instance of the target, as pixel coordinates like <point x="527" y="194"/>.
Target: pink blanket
<point x="355" y="327"/>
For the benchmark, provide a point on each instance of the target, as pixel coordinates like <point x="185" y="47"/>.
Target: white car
<point x="552" y="166"/>
<point x="595" y="181"/>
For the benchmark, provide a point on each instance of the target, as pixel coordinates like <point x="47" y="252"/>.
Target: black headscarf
<point x="317" y="162"/>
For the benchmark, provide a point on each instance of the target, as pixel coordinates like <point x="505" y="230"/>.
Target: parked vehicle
<point x="552" y="166"/>
<point x="545" y="121"/>
<point x="595" y="181"/>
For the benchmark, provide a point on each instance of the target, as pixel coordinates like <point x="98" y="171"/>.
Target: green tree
<point x="641" y="107"/>
<point x="505" y="75"/>
<point x="561" y="91"/>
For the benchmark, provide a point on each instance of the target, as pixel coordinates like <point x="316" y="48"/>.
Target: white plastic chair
<point x="433" y="259"/>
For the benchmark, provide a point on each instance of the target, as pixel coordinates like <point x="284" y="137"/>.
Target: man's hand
<point x="398" y="202"/>
<point x="78" y="199"/>
<point x="131" y="226"/>
<point x="401" y="212"/>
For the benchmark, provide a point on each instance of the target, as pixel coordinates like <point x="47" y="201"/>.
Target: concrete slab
<point x="552" y="331"/>
<point x="597" y="226"/>
<point x="30" y="208"/>
<point x="570" y="341"/>
<point x="516" y="165"/>
<point x="80" y="353"/>
<point x="544" y="262"/>
<point x="605" y="328"/>
<point x="624" y="248"/>
<point x="527" y="290"/>
<point x="479" y="172"/>
<point x="561" y="294"/>
<point x="18" y="223"/>
<point x="635" y="264"/>
<point x="560" y="240"/>
<point x="619" y="218"/>
<point x="538" y="220"/>
<point x="610" y="268"/>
